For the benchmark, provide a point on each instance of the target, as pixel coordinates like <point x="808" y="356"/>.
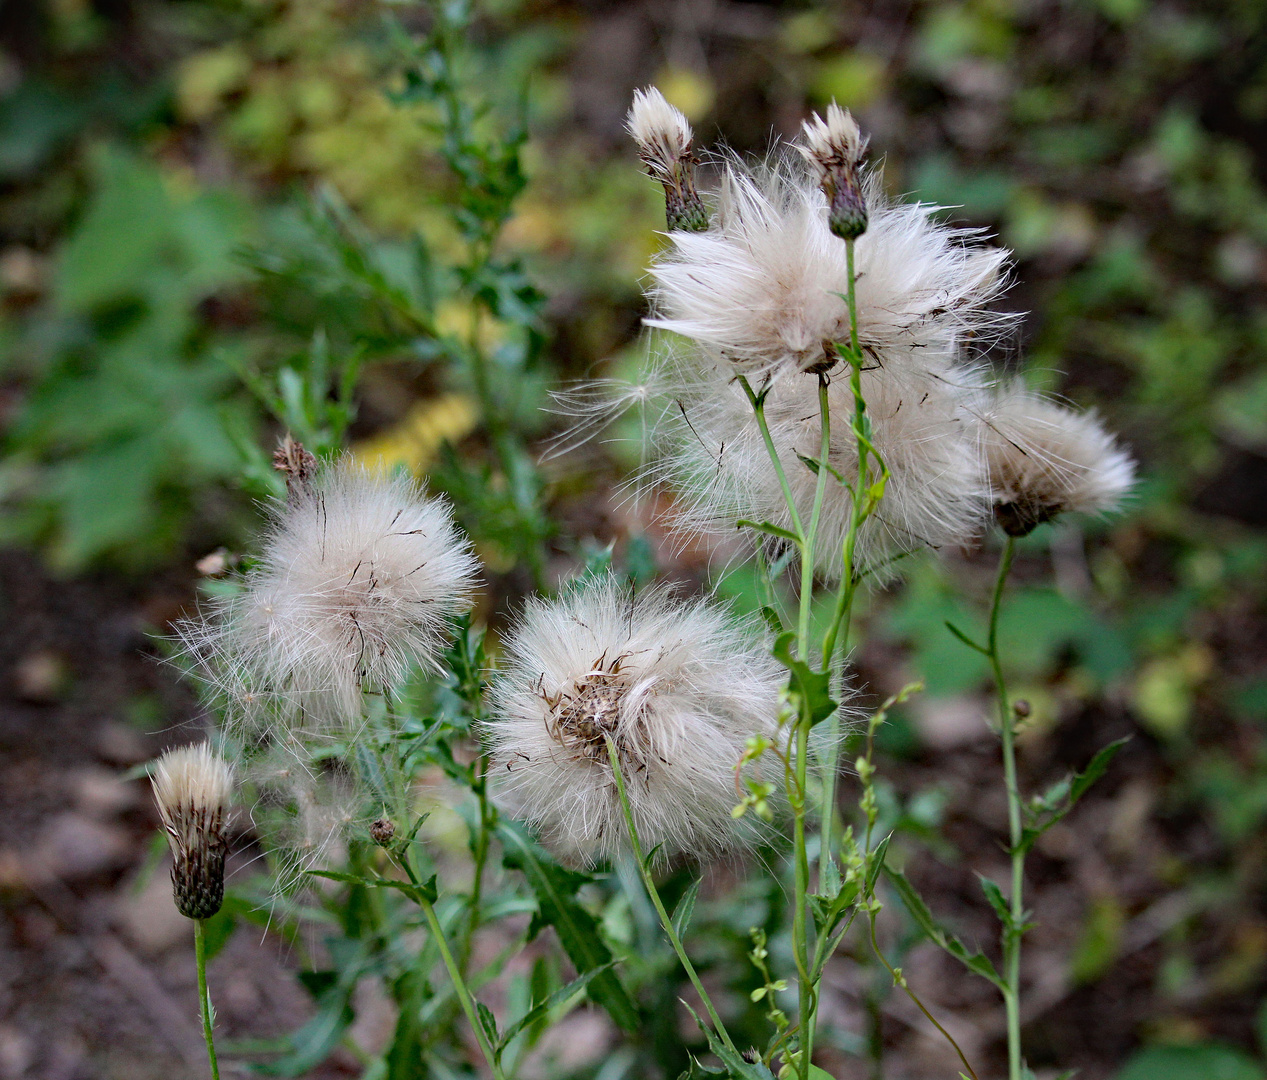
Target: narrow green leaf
<point x="813" y="464"/>
<point x="976" y="962"/>
<point x="555" y="889"/>
<point x="487" y="1021"/>
<point x="814" y="687"/>
<point x="736" y="1067"/>
<point x="965" y="638"/>
<point x="686" y="908"/>
<point x="1096" y="769"/>
<point x="771" y="529"/>
<point x="543" y="1007"/>
<point x="875" y="862"/>
<point x="997" y="900"/>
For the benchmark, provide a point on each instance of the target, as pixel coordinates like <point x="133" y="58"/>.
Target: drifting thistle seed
<point x="679" y="686"/>
<point x="193" y="787"/>
<point x="1045" y="460"/>
<point x="835" y="149"/>
<point x="664" y="139"/>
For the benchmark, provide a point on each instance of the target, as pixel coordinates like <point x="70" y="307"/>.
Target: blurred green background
<point x="211" y="208"/>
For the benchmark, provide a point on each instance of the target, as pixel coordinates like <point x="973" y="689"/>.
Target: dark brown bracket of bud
<point x="198" y="878"/>
<point x="684" y="210"/>
<point x="382" y="831"/>
<point x="1022" y="517"/>
<point x="297" y="465"/>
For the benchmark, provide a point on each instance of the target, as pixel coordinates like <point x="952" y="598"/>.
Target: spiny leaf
<point x="686" y="908"/>
<point x="541" y="1008"/>
<point x="997" y="900"/>
<point x="813" y="687"/>
<point x="555" y="889"/>
<point x="736" y="1067"/>
<point x="976" y="962"/>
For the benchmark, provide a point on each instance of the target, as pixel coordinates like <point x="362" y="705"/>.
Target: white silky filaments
<point x="678" y="685"/>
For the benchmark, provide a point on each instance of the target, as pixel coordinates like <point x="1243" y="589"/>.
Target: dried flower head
<point x="193" y="787"/>
<point x="835" y="148"/>
<point x="357" y="580"/>
<point x="1045" y="460"/>
<point x="679" y="686"/>
<point x="664" y="139"/>
<point x="764" y="288"/>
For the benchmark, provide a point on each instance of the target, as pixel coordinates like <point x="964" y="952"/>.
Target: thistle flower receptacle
<point x="1045" y="460"/>
<point x="356" y="582"/>
<point x="679" y="686"/>
<point x="665" y="145"/>
<point x="835" y="149"/>
<point x="193" y="787"/>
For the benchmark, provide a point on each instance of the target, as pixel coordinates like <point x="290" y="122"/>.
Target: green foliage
<point x="1205" y="1062"/>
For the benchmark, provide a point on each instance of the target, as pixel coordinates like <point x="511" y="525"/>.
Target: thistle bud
<point x="193" y="787"/>
<point x="835" y="149"/>
<point x="665" y="145"/>
<point x="382" y="830"/>
<point x="297" y="465"/>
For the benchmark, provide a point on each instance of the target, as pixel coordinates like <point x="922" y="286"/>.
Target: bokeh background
<point x="195" y="194"/>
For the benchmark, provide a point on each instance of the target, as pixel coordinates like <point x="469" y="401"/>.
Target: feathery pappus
<point x="1045" y="460"/>
<point x="678" y="685"/>
<point x="358" y="577"/>
<point x="193" y="787"/>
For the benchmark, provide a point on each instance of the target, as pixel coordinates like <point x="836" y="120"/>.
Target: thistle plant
<point x="829" y="402"/>
<point x="193" y="787"/>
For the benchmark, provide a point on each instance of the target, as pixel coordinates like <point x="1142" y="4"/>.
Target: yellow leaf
<point x="414" y="441"/>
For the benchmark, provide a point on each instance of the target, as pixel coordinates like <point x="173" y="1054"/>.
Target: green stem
<point x="455" y="973"/>
<point x="204" y="997"/>
<point x="806" y="996"/>
<point x="1007" y="730"/>
<point x="807" y="548"/>
<point x="481" y="860"/>
<point x="758" y="409"/>
<point x="654" y="894"/>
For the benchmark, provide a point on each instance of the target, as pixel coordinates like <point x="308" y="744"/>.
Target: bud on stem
<point x="192" y="787"/>
<point x="835" y="148"/>
<point x="665" y="145"/>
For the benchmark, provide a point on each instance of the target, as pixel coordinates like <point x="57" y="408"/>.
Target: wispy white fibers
<point x="193" y="787"/>
<point x="1045" y="459"/>
<point x="679" y="685"/>
<point x="356" y="581"/>
<point x="762" y="294"/>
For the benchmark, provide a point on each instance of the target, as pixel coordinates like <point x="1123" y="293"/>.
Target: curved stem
<point x="204" y="997"/>
<point x="758" y="409"/>
<point x="1007" y="731"/>
<point x="654" y="894"/>
<point x="455" y="973"/>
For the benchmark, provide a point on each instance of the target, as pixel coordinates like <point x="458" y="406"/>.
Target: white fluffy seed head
<point x="678" y="685"/>
<point x="357" y="580"/>
<point x="1045" y="459"/>
<point x="838" y="138"/>
<point x="764" y="287"/>
<point x="193" y="787"/>
<point x="711" y="453"/>
<point x="663" y="133"/>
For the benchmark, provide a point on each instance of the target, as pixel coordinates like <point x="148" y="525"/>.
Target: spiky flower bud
<point x="835" y="148"/>
<point x="664" y="139"/>
<point x="297" y="465"/>
<point x="382" y="830"/>
<point x="1045" y="460"/>
<point x="193" y="787"/>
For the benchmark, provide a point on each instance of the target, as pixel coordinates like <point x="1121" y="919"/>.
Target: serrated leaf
<point x="426" y="891"/>
<point x="976" y="962"/>
<point x="876" y="862"/>
<point x="543" y="1007"/>
<point x="768" y="528"/>
<point x="1097" y="768"/>
<point x="686" y="908"/>
<point x="736" y="1067"/>
<point x="813" y="687"/>
<point x="997" y="900"/>
<point x="813" y="464"/>
<point x="1055" y="806"/>
<point x="487" y="1021"/>
<point x="555" y="889"/>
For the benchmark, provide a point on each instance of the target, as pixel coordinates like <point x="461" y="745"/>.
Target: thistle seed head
<point x="193" y="787"/>
<point x="1045" y="460"/>
<point x="678" y="686"/>
<point x="835" y="149"/>
<point x="665" y="145"/>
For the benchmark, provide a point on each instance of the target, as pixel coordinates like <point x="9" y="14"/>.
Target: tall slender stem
<point x="1007" y="731"/>
<point x="455" y="973"/>
<point x="808" y="553"/>
<point x="204" y="997"/>
<point x="654" y="893"/>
